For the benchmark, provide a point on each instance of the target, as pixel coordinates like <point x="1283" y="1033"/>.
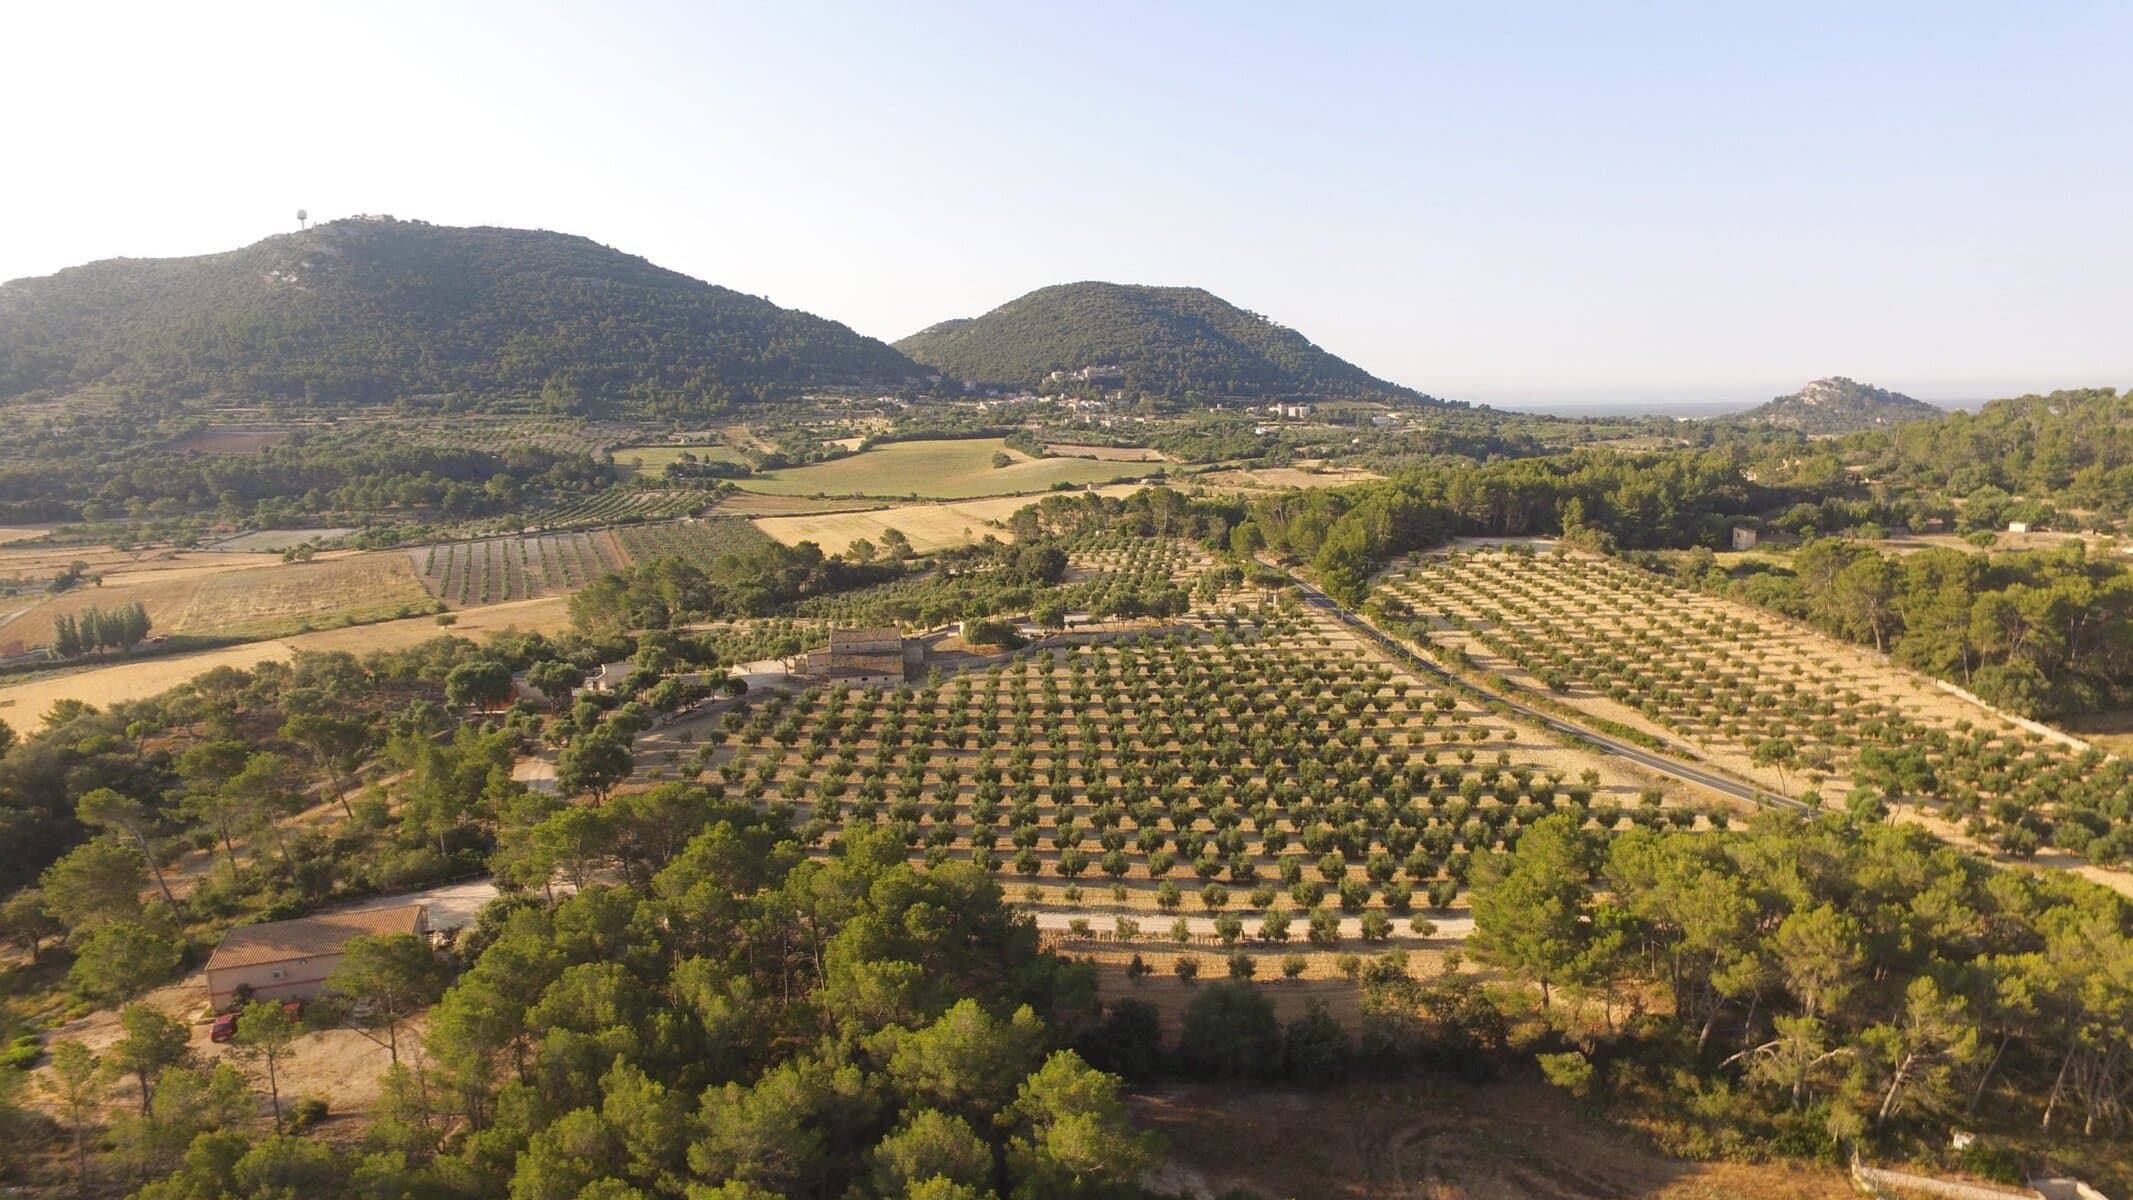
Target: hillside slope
<point x="1837" y="405"/>
<point x="369" y="309"/>
<point x="1167" y="341"/>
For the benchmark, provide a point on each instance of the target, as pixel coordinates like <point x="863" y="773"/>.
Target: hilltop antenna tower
<point x="303" y="219"/>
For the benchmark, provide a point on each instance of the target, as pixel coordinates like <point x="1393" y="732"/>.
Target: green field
<point x="939" y="470"/>
<point x="633" y="459"/>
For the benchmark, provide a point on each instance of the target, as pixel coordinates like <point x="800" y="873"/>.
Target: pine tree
<point x="66" y="636"/>
<point x="137" y="624"/>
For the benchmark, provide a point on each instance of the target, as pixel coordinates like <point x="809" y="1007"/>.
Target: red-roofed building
<point x="289" y="960"/>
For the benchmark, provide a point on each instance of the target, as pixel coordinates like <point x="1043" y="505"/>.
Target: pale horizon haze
<point x="1529" y="204"/>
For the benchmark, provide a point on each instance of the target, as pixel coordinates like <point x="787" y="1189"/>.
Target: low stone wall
<point x="2036" y="727"/>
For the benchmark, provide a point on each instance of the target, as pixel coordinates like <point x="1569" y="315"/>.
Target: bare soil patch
<point x="2110" y="731"/>
<point x="2042" y="539"/>
<point x="341" y="1065"/>
<point x="277" y="540"/>
<point x="1436" y="1137"/>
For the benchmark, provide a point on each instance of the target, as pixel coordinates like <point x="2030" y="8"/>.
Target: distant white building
<point x="1293" y="411"/>
<point x="610" y="676"/>
<point x="1744" y="538"/>
<point x="2018" y="527"/>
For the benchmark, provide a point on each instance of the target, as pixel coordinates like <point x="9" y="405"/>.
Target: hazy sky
<point x="1488" y="201"/>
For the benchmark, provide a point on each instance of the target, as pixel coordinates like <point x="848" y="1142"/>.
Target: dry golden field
<point x="929" y="526"/>
<point x="1274" y="479"/>
<point x="161" y="579"/>
<point x="235" y="595"/>
<point x="754" y="504"/>
<point x="269" y="601"/>
<point x="24" y="704"/>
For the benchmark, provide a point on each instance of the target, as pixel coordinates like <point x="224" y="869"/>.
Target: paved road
<point x="1723" y="784"/>
<point x="452" y="905"/>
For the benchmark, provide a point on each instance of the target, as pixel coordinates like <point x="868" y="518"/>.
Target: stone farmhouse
<point x="865" y="658"/>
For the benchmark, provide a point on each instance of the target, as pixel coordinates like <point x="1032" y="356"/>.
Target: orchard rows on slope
<point x="1108" y="575"/>
<point x="1759" y="690"/>
<point x="1261" y="768"/>
<point x="698" y="543"/>
<point x="494" y="570"/>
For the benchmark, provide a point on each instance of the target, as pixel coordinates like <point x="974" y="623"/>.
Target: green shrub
<point x="1990" y="1160"/>
<point x="308" y="1112"/>
<point x="22" y="1053"/>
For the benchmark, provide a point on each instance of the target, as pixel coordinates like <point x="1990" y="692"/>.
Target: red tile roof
<point x="311" y="937"/>
<point x="840" y="638"/>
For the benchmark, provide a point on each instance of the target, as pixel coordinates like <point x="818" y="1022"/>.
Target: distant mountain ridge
<point x="368" y="309"/>
<point x="1167" y="341"/>
<point x="1838" y="405"/>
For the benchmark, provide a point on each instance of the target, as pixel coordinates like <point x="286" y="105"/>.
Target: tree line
<point x="2045" y="633"/>
<point x="2073" y="447"/>
<point x="93" y="629"/>
<point x="1596" y="497"/>
<point x="755" y="582"/>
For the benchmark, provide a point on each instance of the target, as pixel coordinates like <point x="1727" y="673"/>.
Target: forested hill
<point x="2074" y="448"/>
<point x="370" y="309"/>
<point x="1838" y="405"/>
<point x="1168" y="341"/>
